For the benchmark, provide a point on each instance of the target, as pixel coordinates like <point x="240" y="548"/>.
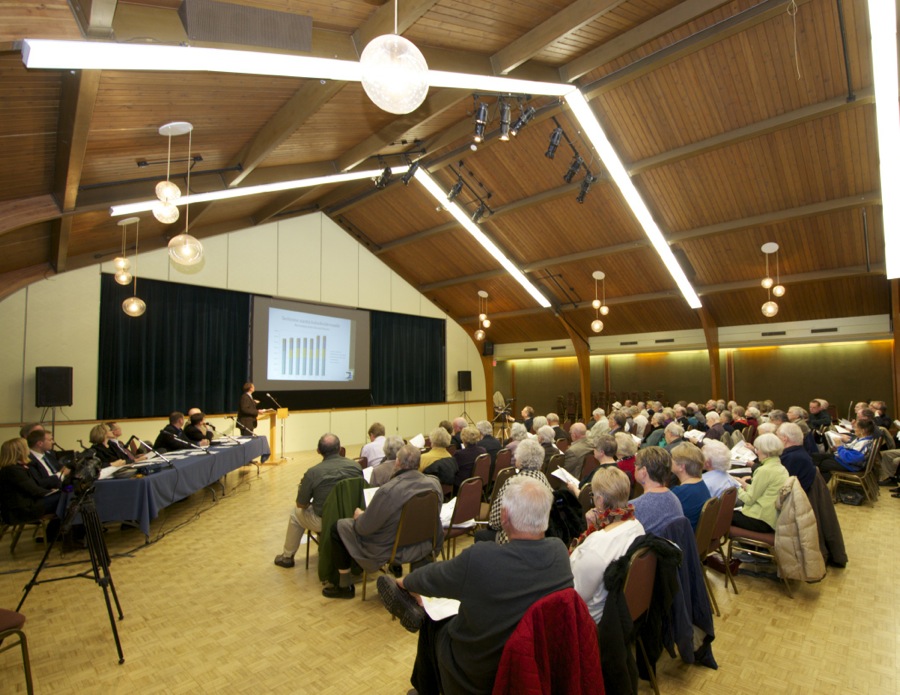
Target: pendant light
<point x="770" y="308"/>
<point x="134" y="306"/>
<point x="185" y="249"/>
<point x="598" y="305"/>
<point x="483" y="320"/>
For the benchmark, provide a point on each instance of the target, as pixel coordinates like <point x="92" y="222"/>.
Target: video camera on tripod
<point x="85" y="471"/>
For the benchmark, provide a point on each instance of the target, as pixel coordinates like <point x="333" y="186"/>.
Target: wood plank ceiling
<point x="737" y="121"/>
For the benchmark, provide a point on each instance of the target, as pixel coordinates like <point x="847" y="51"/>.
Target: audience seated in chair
<point x="687" y="465"/>
<point x="759" y="492"/>
<point x="717" y="462"/>
<point x="22" y="500"/>
<point x="658" y="506"/>
<point x="383" y="472"/>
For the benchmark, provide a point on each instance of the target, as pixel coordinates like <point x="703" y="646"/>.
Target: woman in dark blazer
<point x="21" y="498"/>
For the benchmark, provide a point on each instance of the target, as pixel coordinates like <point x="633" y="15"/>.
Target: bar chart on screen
<point x="309" y="347"/>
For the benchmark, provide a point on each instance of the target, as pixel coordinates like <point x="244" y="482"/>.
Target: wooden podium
<point x="281" y="415"/>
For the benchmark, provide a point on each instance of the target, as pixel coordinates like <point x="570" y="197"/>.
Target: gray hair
<point x="790" y="433"/>
<point x="674" y="429"/>
<point x="712" y="417"/>
<point x="625" y="445"/>
<point x="527" y="502"/>
<point x="529" y="455"/>
<point x="767" y="428"/>
<point x="485" y="427"/>
<point x="440" y="437"/>
<point x="392" y="445"/>
<point x="459" y="423"/>
<point x="768" y="445"/>
<point x="599" y="412"/>
<point x="552" y="417"/>
<point x="538" y="422"/>
<point x="518" y="432"/>
<point x="716" y="454"/>
<point x="777" y="416"/>
<point x="577" y="430"/>
<point x="408" y="457"/>
<point x="546" y="434"/>
<point x="752" y="412"/>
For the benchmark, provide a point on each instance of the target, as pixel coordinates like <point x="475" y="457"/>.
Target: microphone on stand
<point x="247" y="430"/>
<point x="151" y="449"/>
<point x="272" y="398"/>
<point x="191" y="444"/>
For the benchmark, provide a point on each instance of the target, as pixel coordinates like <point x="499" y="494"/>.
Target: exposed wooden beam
<point x="770" y="125"/>
<point x="24" y="212"/>
<point x="642" y="34"/>
<point x="382" y="21"/>
<point x="418" y="236"/>
<point x="305" y="102"/>
<point x="476" y="277"/>
<point x="95" y="17"/>
<point x="14" y="280"/>
<point x="785" y="215"/>
<point x="584" y="255"/>
<point x="757" y="14"/>
<point x="560" y="24"/>
<point x="711" y="333"/>
<point x="79" y="94"/>
<point x="583" y="356"/>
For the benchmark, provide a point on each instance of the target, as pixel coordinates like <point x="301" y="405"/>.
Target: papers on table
<point x="447" y="510"/>
<point x="418" y="441"/>
<point x="565" y="476"/>
<point x="440" y="608"/>
<point x="742" y="453"/>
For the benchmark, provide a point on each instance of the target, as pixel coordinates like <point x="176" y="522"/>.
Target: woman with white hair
<point x="717" y="462"/>
<point x="517" y="433"/>
<point x="760" y="492"/>
<point x="528" y="462"/>
<point x="626" y="448"/>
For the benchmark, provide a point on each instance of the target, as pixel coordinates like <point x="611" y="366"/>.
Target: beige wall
<point x="55" y="322"/>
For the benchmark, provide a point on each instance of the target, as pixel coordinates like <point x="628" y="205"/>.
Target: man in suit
<point x="171" y="437"/>
<point x="248" y="410"/>
<point x="578" y="451"/>
<point x="198" y="431"/>
<point x="558" y="432"/>
<point x="43" y="466"/>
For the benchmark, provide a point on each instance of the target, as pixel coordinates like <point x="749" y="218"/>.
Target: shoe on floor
<point x="339" y="591"/>
<point x="396" y="570"/>
<point x="887" y="482"/>
<point x="400" y="603"/>
<point x="284" y="561"/>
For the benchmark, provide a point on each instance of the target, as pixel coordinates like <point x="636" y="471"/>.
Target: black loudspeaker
<point x="488" y="349"/>
<point x="464" y="380"/>
<point x="52" y="386"/>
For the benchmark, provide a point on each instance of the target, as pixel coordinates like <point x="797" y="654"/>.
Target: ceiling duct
<point x="220" y="22"/>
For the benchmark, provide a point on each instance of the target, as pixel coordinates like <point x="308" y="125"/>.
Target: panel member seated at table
<point x="21" y="498"/>
<point x="121" y="450"/>
<point x="198" y="431"/>
<point x="100" y="436"/>
<point x="317" y="482"/>
<point x="43" y="466"/>
<point x="171" y="437"/>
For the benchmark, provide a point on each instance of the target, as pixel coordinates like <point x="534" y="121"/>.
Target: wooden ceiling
<point x="733" y="119"/>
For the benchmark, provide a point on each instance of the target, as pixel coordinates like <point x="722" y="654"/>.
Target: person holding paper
<point x="369" y="536"/>
<point x="494" y="584"/>
<point x="852" y="455"/>
<point x="717" y="462"/>
<point x="759" y="493"/>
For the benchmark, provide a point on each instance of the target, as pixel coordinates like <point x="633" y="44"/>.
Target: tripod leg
<point x="34" y="579"/>
<point x="100" y="563"/>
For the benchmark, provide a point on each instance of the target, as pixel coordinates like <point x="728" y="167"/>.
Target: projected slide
<point x="308" y="347"/>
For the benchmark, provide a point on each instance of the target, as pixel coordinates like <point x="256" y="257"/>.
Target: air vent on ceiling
<point x="770" y="333"/>
<point x="823" y="330"/>
<point x="664" y="340"/>
<point x="221" y="22"/>
<point x="531" y="349"/>
<point x="628" y="342"/>
<point x="558" y="347"/>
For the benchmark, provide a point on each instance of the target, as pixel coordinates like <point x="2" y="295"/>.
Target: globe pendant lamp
<point x="394" y="72"/>
<point x="185" y="249"/>
<point x="483" y="320"/>
<point x="165" y="209"/>
<point x="121" y="263"/>
<point x="770" y="308"/>
<point x="598" y="305"/>
<point x="134" y="306"/>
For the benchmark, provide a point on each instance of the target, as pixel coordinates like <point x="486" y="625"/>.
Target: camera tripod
<point x="83" y="502"/>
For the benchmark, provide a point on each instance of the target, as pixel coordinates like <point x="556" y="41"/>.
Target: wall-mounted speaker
<point x="52" y="386"/>
<point x="464" y="380"/>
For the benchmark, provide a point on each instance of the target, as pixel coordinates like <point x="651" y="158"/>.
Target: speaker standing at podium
<point x="248" y="409"/>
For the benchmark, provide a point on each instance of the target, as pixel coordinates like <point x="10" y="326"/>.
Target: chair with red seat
<point x="11" y="627"/>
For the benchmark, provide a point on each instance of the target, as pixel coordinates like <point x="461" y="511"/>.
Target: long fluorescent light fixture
<point x="145" y="205"/>
<point x="440" y="196"/>
<point x="883" y="28"/>
<point x="98" y="55"/>
<point x="594" y="131"/>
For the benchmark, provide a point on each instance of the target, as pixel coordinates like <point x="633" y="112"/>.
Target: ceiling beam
<point x="382" y="21"/>
<point x="704" y="38"/>
<point x="76" y="108"/>
<point x="777" y="216"/>
<point x="24" y="212"/>
<point x="95" y="17"/>
<point x="560" y="24"/>
<point x="305" y="102"/>
<point x="770" y="125"/>
<point x="642" y="34"/>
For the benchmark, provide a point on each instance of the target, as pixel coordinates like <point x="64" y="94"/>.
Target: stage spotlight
<point x="573" y="168"/>
<point x="410" y="173"/>
<point x="555" y="137"/>
<point x="479" y="213"/>
<point x="522" y="120"/>
<point x="382" y="180"/>
<point x="585" y="187"/>
<point x="504" y="121"/>
<point x="481" y="114"/>
<point x="456" y="190"/>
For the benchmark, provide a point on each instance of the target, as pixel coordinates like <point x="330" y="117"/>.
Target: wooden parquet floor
<point x="206" y="611"/>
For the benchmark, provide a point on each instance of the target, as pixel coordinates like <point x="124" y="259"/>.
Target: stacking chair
<point x="590" y="465"/>
<point x="556" y="461"/>
<point x="468" y="505"/>
<point x="482" y="469"/>
<point x="11" y="627"/>
<point x="720" y="533"/>
<point x="638" y="595"/>
<point x="503" y="476"/>
<point x="17" y="529"/>
<point x="420" y="520"/>
<point x="867" y="478"/>
<point x="706" y="528"/>
<point x="504" y="460"/>
<point x="362" y="461"/>
<point x="586" y="498"/>
<point x="757" y="544"/>
<point x="562" y="444"/>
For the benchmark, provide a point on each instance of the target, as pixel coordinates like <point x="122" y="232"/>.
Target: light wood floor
<point x="207" y="611"/>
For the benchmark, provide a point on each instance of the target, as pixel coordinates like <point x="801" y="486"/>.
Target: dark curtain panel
<point x="408" y="361"/>
<point x="190" y="348"/>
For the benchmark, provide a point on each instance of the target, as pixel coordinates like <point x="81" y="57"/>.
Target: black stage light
<point x="481" y="114"/>
<point x="555" y="137"/>
<point x="479" y="213"/>
<point x="456" y="190"/>
<point x="585" y="187"/>
<point x="573" y="168"/>
<point x="382" y="180"/>
<point x="522" y="120"/>
<point x="408" y="176"/>
<point x="504" y="121"/>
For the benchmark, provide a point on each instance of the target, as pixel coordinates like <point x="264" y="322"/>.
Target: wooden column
<point x="487" y="364"/>
<point x="895" y="352"/>
<point x="583" y="355"/>
<point x="711" y="333"/>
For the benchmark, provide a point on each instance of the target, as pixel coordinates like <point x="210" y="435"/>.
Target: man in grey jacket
<point x="369" y="536"/>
